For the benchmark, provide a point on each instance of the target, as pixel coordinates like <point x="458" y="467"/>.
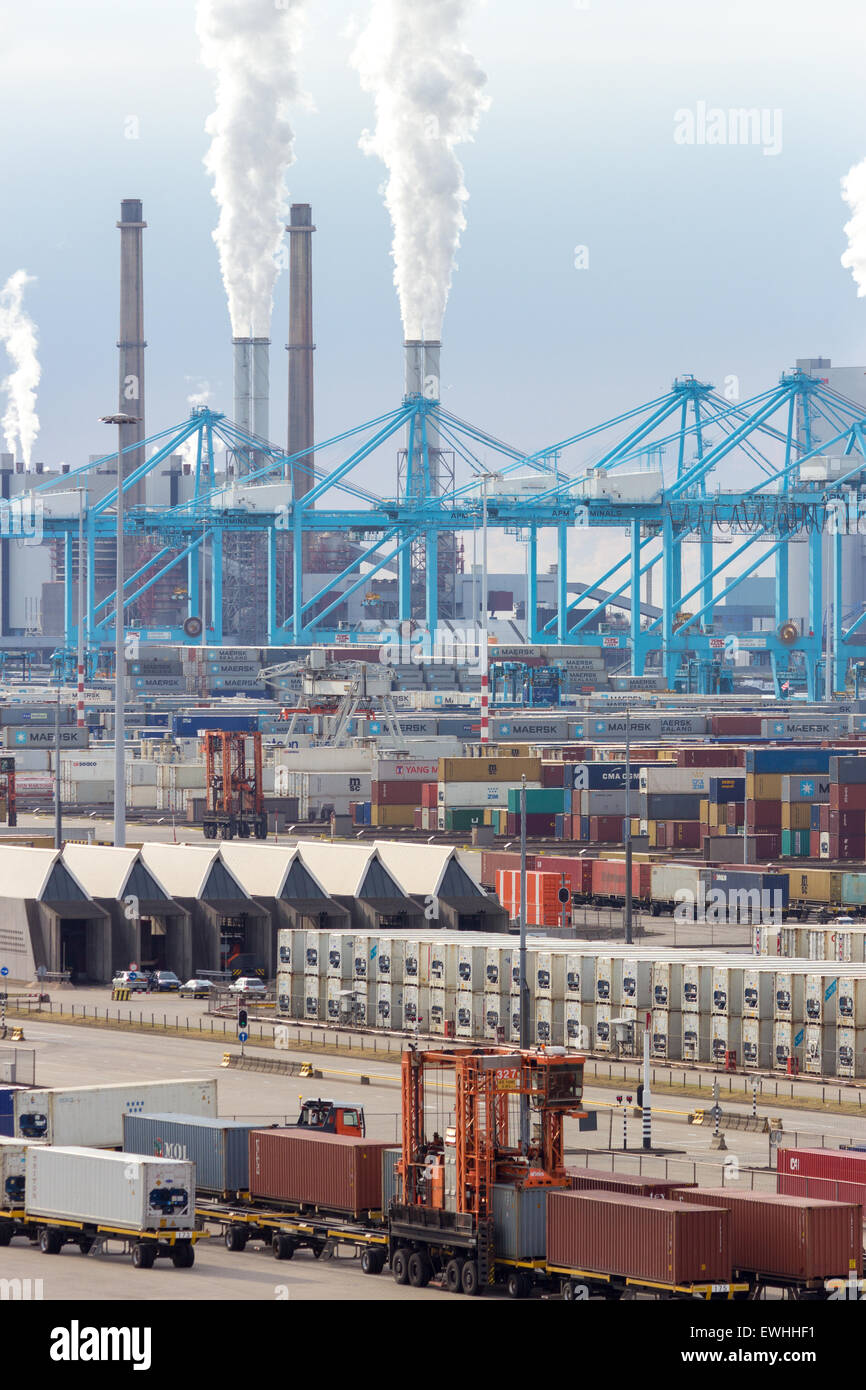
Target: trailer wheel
<point x="235" y="1238"/>
<point x="5" y="1232"/>
<point x="86" y="1244"/>
<point x="182" y="1255"/>
<point x="518" y="1284"/>
<point x="420" y="1270"/>
<point x="50" y="1242"/>
<point x="469" y="1279"/>
<point x="567" y="1290"/>
<point x="243" y="830"/>
<point x="262" y="828"/>
<point x="454" y="1276"/>
<point x="372" y="1261"/>
<point x="283" y="1246"/>
<point x="143" y="1255"/>
<point x="400" y="1266"/>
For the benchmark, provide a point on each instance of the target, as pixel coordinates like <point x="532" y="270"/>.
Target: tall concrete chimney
<point x="422" y="379"/>
<point x="260" y="387"/>
<point x="242" y="373"/>
<point x="301" y="345"/>
<point x="132" y="343"/>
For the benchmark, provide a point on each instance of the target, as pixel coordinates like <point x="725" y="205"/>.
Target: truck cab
<point x="330" y="1118"/>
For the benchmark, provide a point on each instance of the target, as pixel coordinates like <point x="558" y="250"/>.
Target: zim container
<point x="337" y="1172"/>
<point x="785" y="1236"/>
<point x="646" y="1238"/>
<point x="598" y="1179"/>
<point x="219" y="1148"/>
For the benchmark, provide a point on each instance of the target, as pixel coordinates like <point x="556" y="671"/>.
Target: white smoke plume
<point x="18" y="336"/>
<point x="429" y="97"/>
<point x="251" y="46"/>
<point x="854" y="193"/>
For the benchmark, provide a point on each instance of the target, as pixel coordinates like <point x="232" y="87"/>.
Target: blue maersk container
<point x="790" y="760"/>
<point x="219" y="1148"/>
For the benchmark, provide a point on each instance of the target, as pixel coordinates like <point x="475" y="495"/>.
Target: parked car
<point x="199" y="989"/>
<point x="248" y="984"/>
<point x="130" y="979"/>
<point x="164" y="980"/>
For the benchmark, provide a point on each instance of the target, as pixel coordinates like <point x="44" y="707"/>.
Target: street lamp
<point x="119" y="658"/>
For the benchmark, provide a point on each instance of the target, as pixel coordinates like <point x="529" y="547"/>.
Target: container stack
<point x="846" y="816"/>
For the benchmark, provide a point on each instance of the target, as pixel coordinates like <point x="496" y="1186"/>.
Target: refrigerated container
<point x="284" y="947"/>
<point x="851" y="1002"/>
<point x="334" y="999"/>
<point x="603" y="1030"/>
<point x="757" y="1035"/>
<point x="636" y="990"/>
<point x="284" y="993"/>
<point x="471" y="964"/>
<point x="340" y="956"/>
<point x="758" y="991"/>
<point x="667" y="985"/>
<point x="666" y="1036"/>
<point x="464" y="1013"/>
<point x="388" y="960"/>
<point x="438" y="1010"/>
<point x="495" y="1009"/>
<point x="608" y="979"/>
<point x="819" y="1049"/>
<point x="789" y="995"/>
<point x="361" y="970"/>
<point x="725" y="1038"/>
<point x="697" y="987"/>
<point x="387" y="1013"/>
<point x="784" y="1046"/>
<point x="850" y="1051"/>
<point x="93" y="1115"/>
<point x="695" y="1038"/>
<point x="13" y="1169"/>
<point x="443" y="965"/>
<point x="123" y="1190"/>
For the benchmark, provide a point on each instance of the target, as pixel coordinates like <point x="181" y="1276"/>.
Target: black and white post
<point x="646" y="1096"/>
<point x="626" y="831"/>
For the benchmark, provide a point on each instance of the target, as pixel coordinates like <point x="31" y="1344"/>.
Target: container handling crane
<point x="233" y="782"/>
<point x="445" y="1220"/>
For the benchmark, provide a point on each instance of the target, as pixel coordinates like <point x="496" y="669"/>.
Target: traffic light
<point x="242" y="1020"/>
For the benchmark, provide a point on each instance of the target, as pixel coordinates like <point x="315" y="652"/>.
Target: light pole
<point x="58" y="813"/>
<point x="119" y="647"/>
<point x="627" y="917"/>
<point x="80" y="644"/>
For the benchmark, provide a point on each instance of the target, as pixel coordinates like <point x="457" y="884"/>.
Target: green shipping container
<point x="854" y="890"/>
<point x="795" y="844"/>
<point x="463" y="817"/>
<point x="539" y="800"/>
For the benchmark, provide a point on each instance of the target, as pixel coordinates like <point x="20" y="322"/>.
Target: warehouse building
<point x="287" y="888"/>
<point x="225" y="921"/>
<point x="435" y="877"/>
<point x="356" y="878"/>
<point x="148" y="928"/>
<point x="48" y="919"/>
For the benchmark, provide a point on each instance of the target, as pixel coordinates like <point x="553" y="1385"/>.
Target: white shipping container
<point x="451" y="794"/>
<point x="340" y="956"/>
<point x="666" y="1036"/>
<point x="819" y="1049"/>
<point x="284" y="993"/>
<point x="725" y="1033"/>
<point x="284" y="947"/>
<point x="577" y="1017"/>
<point x="141" y="798"/>
<point x="664" y="778"/>
<point x="758" y="990"/>
<point x="412" y="1007"/>
<point x="111" y="1189"/>
<point x="438" y="1010"/>
<point x="850" y="1002"/>
<point x="361" y="959"/>
<point x="573" y="977"/>
<point x="471" y="963"/>
<point x="783" y="1045"/>
<point x="757" y="1035"/>
<point x="416" y="962"/>
<point x="788" y="1002"/>
<point x="727" y="989"/>
<point x="465" y="1013"/>
<point x="608" y="979"/>
<point x="443" y="965"/>
<point x="603" y="1030"/>
<point x="335" y="999"/>
<point x="389" y="958"/>
<point x="13" y="1164"/>
<point x="667" y="985"/>
<point x="851" y="1051"/>
<point x="312" y="998"/>
<point x="386" y="1006"/>
<point x="636" y="984"/>
<point x="93" y="1115"/>
<point x="677" y="884"/>
<point x="696" y="1037"/>
<point x="495" y="1015"/>
<point x="543" y="1010"/>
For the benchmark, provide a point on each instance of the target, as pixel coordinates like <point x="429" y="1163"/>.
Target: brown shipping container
<point x="638" y="1237"/>
<point x="334" y="1171"/>
<point x="599" y="1180"/>
<point x="489" y="769"/>
<point x="794" y="1237"/>
<point x="396" y="793"/>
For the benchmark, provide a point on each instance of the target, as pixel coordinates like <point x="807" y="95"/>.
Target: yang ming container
<point x="335" y="1172"/>
<point x="110" y="1189"/>
<point x="644" y="1238"/>
<point x="787" y="1237"/>
<point x="219" y="1148"/>
<point x="93" y="1115"/>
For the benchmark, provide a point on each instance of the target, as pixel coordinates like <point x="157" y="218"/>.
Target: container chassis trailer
<point x="145" y="1247"/>
<point x="288" y="1229"/>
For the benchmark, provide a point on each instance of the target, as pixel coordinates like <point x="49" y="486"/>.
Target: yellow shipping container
<point x="796" y="815"/>
<point x="392" y="815"/>
<point x="489" y="769"/>
<point x="763" y="786"/>
<point x="815" y="885"/>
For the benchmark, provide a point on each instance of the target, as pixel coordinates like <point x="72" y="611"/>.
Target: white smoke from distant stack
<point x="251" y="46"/>
<point x="854" y="193"/>
<point x="429" y="97"/>
<point x="18" y="336"/>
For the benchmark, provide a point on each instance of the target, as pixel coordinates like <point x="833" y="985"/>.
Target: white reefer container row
<point x="129" y="1191"/>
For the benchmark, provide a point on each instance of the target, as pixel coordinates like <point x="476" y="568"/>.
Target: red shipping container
<point x="578" y="872"/>
<point x="687" y="834"/>
<point x="577" y="752"/>
<point x="735" y="813"/>
<point x="553" y="774"/>
<point x="823" y="817"/>
<point x="848" y="796"/>
<point x="732" y="725"/>
<point x="848" y="847"/>
<point x="600" y="1180"/>
<point x="418" y="819"/>
<point x="847" y="822"/>
<point x="608" y="879"/>
<point x="782" y="1235"/>
<point x="494" y="859"/>
<point x="638" y="1237"/>
<point x="429" y="794"/>
<point x="605" y="830"/>
<point x="576" y="833"/>
<point x="767" y="846"/>
<point x="814" y="844"/>
<point x="710" y="757"/>
<point x="829" y="1165"/>
<point x="335" y="1171"/>
<point x="763" y="815"/>
<point x="396" y="793"/>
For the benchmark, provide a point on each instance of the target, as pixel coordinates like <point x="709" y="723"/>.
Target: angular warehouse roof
<point x="272" y="871"/>
<point x="39" y="875"/>
<point x="429" y="870"/>
<point x="349" y="871"/>
<point x="194" y="871"/>
<point x="108" y="871"/>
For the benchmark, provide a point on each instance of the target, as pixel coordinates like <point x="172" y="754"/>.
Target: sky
<point x="723" y="261"/>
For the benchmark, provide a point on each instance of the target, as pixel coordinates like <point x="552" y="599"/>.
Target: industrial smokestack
<point x="260" y="387"/>
<point x="301" y="345"/>
<point x="422" y="379"/>
<point x="132" y="343"/>
<point x="242" y="371"/>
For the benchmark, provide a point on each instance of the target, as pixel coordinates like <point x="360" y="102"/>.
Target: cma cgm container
<point x="785" y="1236"/>
<point x="110" y="1189"/>
<point x="598" y="1179"/>
<point x="835" y="1175"/>
<point x="219" y="1148"/>
<point x="337" y="1172"/>
<point x="93" y="1115"/>
<point x="638" y="1237"/>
